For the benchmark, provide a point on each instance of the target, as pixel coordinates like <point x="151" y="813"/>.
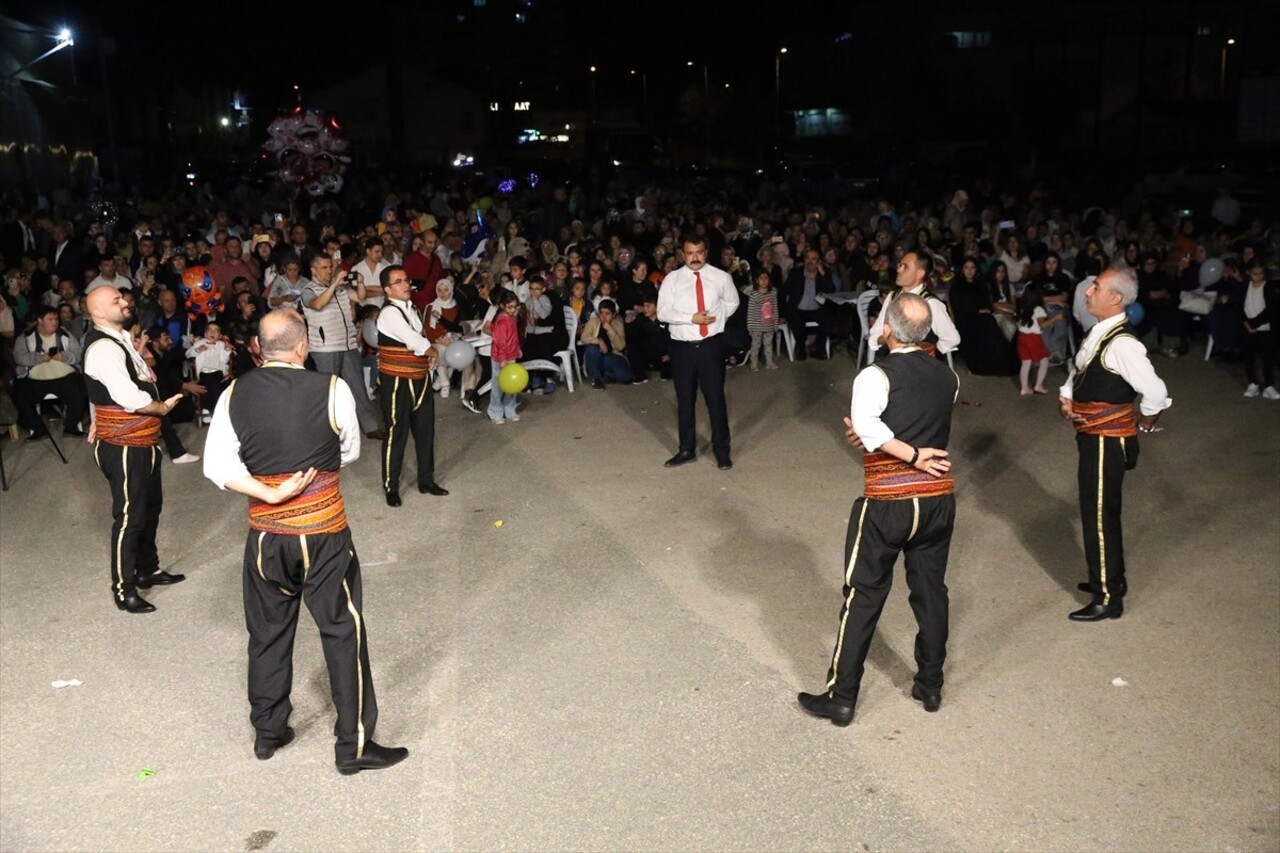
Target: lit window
<point x="969" y="39"/>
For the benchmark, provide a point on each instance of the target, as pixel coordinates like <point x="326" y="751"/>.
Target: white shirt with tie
<point x="678" y="301"/>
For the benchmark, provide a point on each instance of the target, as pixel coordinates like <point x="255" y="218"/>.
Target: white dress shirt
<point x="371" y="279"/>
<point x="942" y="324"/>
<point x="870" y="399"/>
<point x="222" y="462"/>
<point x="405" y="328"/>
<point x="678" y="301"/>
<point x="102" y="362"/>
<point x="1127" y="357"/>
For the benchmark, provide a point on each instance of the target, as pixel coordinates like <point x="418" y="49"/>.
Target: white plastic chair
<point x="789" y="337"/>
<point x="568" y="366"/>
<point x="1208" y="348"/>
<point x="863" y="306"/>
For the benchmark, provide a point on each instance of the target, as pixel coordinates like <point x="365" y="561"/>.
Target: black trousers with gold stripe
<point x="920" y="529"/>
<point x="323" y="570"/>
<point x="1103" y="461"/>
<point x="136" y="500"/>
<point x="407" y="408"/>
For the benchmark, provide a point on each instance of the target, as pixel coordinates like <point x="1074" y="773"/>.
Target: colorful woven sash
<point x="888" y="478"/>
<point x="319" y="509"/>
<point x="126" y="429"/>
<point x="929" y="347"/>
<point x="401" y="362"/>
<point x="1117" y="420"/>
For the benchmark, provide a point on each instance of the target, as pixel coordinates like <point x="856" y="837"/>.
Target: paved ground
<point x="615" y="667"/>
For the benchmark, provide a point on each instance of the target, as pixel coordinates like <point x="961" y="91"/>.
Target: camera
<point x="351" y="278"/>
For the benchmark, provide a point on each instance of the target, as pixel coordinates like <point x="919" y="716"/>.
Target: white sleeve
<point x="729" y="294"/>
<point x="104" y="362"/>
<point x="944" y="327"/>
<point x="1128" y="357"/>
<point x="667" y="304"/>
<point x="870" y="399"/>
<point x="344" y="415"/>
<point x="392" y="323"/>
<point x="222" y="462"/>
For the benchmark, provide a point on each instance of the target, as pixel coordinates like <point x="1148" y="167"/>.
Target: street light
<point x="1222" y="81"/>
<point x="777" y="84"/>
<point x="644" y="94"/>
<point x="64" y="39"/>
<point x="592" y="69"/>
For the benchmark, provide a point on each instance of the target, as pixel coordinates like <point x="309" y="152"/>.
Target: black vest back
<point x="922" y="393"/>
<point x="98" y="393"/>
<point x="284" y="420"/>
<point x="1098" y="384"/>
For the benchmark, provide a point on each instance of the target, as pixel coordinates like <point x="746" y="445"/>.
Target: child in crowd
<point x="213" y="366"/>
<point x="504" y="351"/>
<point x="762" y="320"/>
<point x="367" y="322"/>
<point x="1032" y="320"/>
<point x="604" y="291"/>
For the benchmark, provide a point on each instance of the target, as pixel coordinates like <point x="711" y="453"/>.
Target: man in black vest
<point x="913" y="272"/>
<point x="1110" y="371"/>
<point x="405" y="361"/>
<point x="901" y="417"/>
<point x="279" y="435"/>
<point x="127" y="413"/>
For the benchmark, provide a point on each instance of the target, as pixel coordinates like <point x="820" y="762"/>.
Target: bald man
<point x="280" y="435"/>
<point x="901" y="417"/>
<point x="127" y="412"/>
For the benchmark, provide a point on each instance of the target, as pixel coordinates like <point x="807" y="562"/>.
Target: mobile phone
<point x="1186" y="212"/>
<point x="1007" y="224"/>
<point x="53" y="351"/>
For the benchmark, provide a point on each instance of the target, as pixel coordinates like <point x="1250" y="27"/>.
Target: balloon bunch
<point x="200" y="293"/>
<point x="309" y="151"/>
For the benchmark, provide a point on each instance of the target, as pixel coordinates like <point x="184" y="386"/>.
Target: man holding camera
<point x="333" y="337"/>
<point x="46" y="361"/>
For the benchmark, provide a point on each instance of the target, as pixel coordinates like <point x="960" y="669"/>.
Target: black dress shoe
<point x="839" y="712"/>
<point x="265" y="750"/>
<point x="724" y="463"/>
<point x="433" y="489"/>
<point x="932" y="699"/>
<point x="1097" y="612"/>
<point x="375" y="757"/>
<point x="375" y="435"/>
<point x="158" y="579"/>
<point x="393" y="499"/>
<point x="135" y="603"/>
<point x="681" y="458"/>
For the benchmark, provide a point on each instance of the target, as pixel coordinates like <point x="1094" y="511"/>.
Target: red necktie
<point x="702" y="304"/>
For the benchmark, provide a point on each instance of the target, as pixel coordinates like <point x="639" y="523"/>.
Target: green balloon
<point x="513" y="378"/>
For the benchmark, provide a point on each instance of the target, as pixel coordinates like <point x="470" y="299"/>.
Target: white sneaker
<point x="208" y="419"/>
<point x="1251" y="391"/>
<point x="444" y="392"/>
<point x="1271" y="393"/>
<point x="499" y="421"/>
<point x="186" y="458"/>
<point x="514" y="418"/>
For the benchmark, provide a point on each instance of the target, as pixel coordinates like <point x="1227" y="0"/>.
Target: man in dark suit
<point x="800" y="304"/>
<point x="67" y="260"/>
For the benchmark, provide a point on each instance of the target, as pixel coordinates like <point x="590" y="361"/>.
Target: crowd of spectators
<point x="586" y="272"/>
